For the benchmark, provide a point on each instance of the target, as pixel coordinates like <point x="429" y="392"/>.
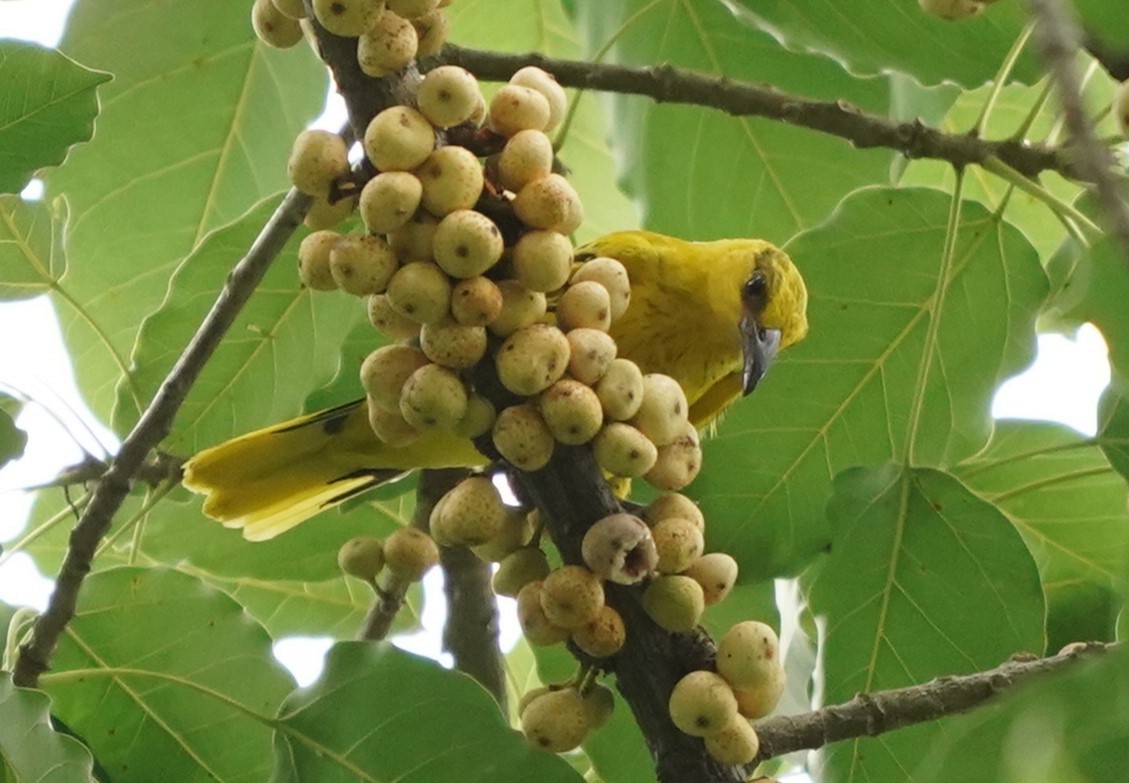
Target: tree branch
<point x="471" y="631"/>
<point x="572" y="494"/>
<point x="365" y="96"/>
<point x="151" y="429"/>
<point x="666" y="84"/>
<point x="868" y="715"/>
<point x="1059" y="39"/>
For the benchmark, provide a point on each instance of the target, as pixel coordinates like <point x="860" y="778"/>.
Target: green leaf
<point x="31" y="748"/>
<point x="379" y="714"/>
<point x="158" y="660"/>
<point x="875" y="36"/>
<point x="923" y="579"/>
<point x="7" y="615"/>
<point x="345" y="385"/>
<point x="1072" y="727"/>
<point x="31" y="247"/>
<point x="1102" y="277"/>
<point x="287" y="337"/>
<point x="1113" y="427"/>
<point x="12" y="438"/>
<point x="701" y="174"/>
<point x="618" y="750"/>
<point x="290" y="584"/>
<point x="195" y="127"/>
<point x="897" y="351"/>
<point x="335" y="608"/>
<point x="910" y="100"/>
<point x="49" y="103"/>
<point x="1036" y="473"/>
<point x="543" y="27"/>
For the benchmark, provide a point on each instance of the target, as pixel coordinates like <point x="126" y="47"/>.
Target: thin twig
<point x="154" y="425"/>
<point x="667" y="84"/>
<point x="871" y="714"/>
<point x="392" y="590"/>
<point x="1059" y="38"/>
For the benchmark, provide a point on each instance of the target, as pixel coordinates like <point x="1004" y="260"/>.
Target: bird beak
<point x="759" y="346"/>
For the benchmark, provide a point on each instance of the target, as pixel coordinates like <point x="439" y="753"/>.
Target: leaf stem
<point x="1058" y="206"/>
<point x="986" y="465"/>
<point x="952" y="229"/>
<point x="1001" y="78"/>
<point x="1033" y="113"/>
<point x="151" y="500"/>
<point x="597" y="57"/>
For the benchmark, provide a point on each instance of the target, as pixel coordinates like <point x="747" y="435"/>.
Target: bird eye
<point x="756" y="286"/>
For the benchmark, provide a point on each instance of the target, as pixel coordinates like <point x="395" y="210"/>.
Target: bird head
<point x="773" y="301"/>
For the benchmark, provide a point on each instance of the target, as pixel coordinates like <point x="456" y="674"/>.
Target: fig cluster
<point x="557" y="718"/>
<point x="442" y="282"/>
<point x="660" y="553"/>
<point x="390" y="33"/>
<point x="408" y="554"/>
<point x="748" y="683"/>
<point x="437" y="275"/>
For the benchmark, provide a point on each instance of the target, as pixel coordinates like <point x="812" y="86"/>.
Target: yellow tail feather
<point x="268" y="481"/>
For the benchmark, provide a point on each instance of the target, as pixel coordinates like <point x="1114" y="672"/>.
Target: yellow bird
<point x="710" y="314"/>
